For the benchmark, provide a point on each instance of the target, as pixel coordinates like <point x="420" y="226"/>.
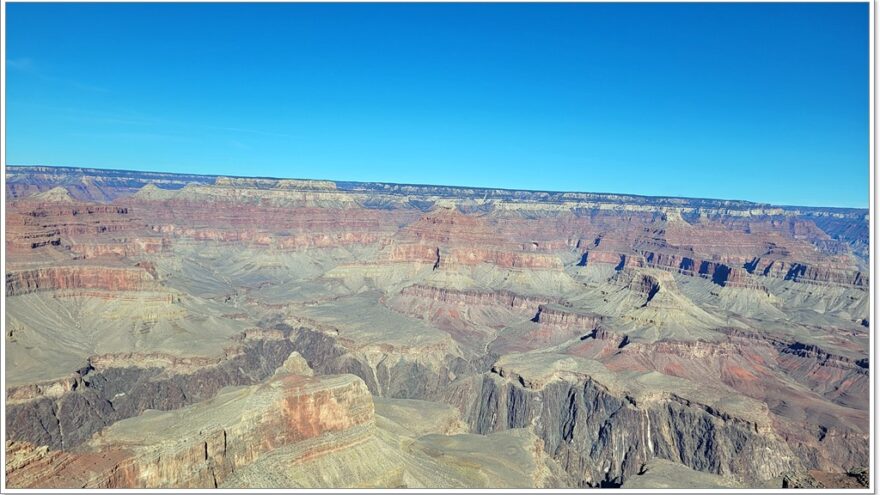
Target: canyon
<point x="171" y="331"/>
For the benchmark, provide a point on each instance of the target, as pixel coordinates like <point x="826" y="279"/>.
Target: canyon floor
<point x="169" y="330"/>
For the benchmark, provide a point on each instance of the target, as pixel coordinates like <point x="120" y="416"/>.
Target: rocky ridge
<point x="601" y="340"/>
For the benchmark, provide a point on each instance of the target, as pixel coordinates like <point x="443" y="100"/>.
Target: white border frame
<point x="872" y="292"/>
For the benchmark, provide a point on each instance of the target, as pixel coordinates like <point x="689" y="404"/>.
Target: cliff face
<point x="730" y="243"/>
<point x="186" y="449"/>
<point x="78" y="277"/>
<point x="602" y="438"/>
<point x="475" y="297"/>
<point x="423" y="374"/>
<point x="34" y="223"/>
<point x="65" y="413"/>
<point x="172" y="330"/>
<point x="550" y="315"/>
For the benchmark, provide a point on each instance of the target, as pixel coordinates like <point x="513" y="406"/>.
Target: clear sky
<point x="764" y="102"/>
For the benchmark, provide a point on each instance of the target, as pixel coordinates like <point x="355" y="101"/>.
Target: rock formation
<point x="175" y="331"/>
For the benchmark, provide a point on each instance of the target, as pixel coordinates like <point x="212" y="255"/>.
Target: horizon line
<point x="507" y="189"/>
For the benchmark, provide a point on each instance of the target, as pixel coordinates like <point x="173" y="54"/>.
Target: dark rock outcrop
<point x="601" y="438"/>
<point x="100" y="397"/>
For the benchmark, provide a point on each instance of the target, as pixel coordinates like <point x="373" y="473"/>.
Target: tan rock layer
<point x="477" y="297"/>
<point x="287" y="410"/>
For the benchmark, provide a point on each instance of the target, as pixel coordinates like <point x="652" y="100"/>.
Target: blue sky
<point x="764" y="102"/>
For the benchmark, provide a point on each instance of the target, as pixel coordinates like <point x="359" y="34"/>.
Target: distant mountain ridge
<point x="52" y="176"/>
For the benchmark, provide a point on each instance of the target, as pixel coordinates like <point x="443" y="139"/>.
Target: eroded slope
<point x="594" y="340"/>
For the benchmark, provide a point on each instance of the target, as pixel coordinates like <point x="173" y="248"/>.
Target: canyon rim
<point x="168" y="330"/>
<point x="438" y="246"/>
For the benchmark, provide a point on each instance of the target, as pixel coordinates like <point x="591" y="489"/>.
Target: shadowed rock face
<point x="287" y="410"/>
<point x="603" y="438"/>
<point x="197" y="331"/>
<point x="100" y="397"/>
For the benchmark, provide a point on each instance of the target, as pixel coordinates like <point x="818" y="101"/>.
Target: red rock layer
<point x="550" y="315"/>
<point x="122" y="248"/>
<point x="300" y="408"/>
<point x="32" y="225"/>
<point x="77" y="277"/>
<point x="449" y="239"/>
<point x="727" y="251"/>
<point x="271" y="226"/>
